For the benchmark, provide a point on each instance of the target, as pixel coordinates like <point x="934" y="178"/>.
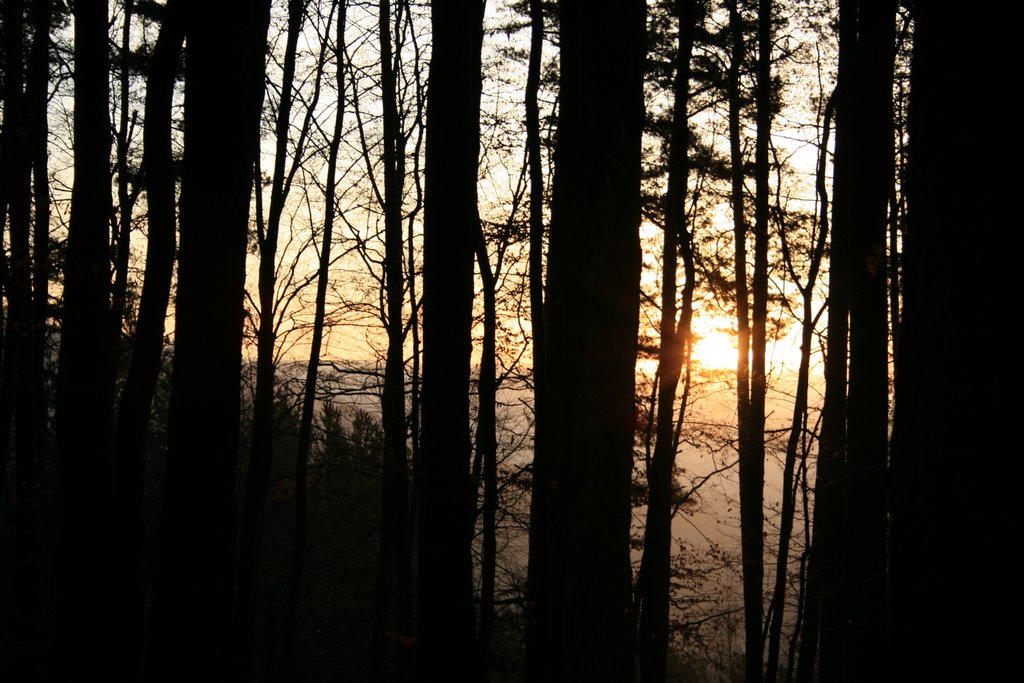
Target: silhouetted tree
<point x="583" y="577"/>
<point x="451" y="227"/>
<point x="84" y="417"/>
<point x="654" y="579"/>
<point x="24" y="182"/>
<point x="301" y="532"/>
<point x="257" y="480"/>
<point x="394" y="579"/>
<point x="949" y="380"/>
<point x="134" y="408"/>
<point x="193" y="593"/>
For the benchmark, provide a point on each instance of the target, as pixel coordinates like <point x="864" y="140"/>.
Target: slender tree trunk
<point x="798" y="424"/>
<point x="539" y="644"/>
<point x="147" y="348"/>
<point x="450" y="231"/>
<point x="193" y="593"/>
<point x="313" y="366"/>
<point x="257" y="481"/>
<point x="655" y="577"/>
<point x="84" y="392"/>
<point x="749" y="385"/>
<point x="394" y="556"/>
<point x="752" y="461"/>
<point x="592" y="315"/>
<point x="821" y="618"/>
<point x="487" y="452"/>
<point x="37" y="95"/>
<point x="125" y="199"/>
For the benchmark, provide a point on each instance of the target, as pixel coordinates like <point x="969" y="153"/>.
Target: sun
<point x="715" y="349"/>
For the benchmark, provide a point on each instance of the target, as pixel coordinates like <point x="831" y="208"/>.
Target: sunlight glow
<point x="716" y="350"/>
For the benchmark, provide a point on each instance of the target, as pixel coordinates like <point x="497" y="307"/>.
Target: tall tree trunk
<point x="949" y="410"/>
<point x="752" y="460"/>
<point x="592" y="317"/>
<point x="122" y="224"/>
<point x="750" y="420"/>
<point x="18" y="145"/>
<point x="654" y="581"/>
<point x="313" y="366"/>
<point x="822" y="620"/>
<point x="147" y="348"/>
<point x="538" y="644"/>
<point x="863" y="583"/>
<point x="84" y="392"/>
<point x="257" y="481"/>
<point x="193" y="593"/>
<point x="451" y="224"/>
<point x="487" y="452"/>
<point x="394" y="556"/>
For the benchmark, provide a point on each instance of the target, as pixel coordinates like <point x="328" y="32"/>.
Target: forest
<point x="521" y="340"/>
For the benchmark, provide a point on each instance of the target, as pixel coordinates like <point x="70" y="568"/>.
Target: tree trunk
<point x="147" y="349"/>
<point x="84" y="417"/>
<point x="822" y="621"/>
<point x="395" y="553"/>
<point x="654" y="582"/>
<point x="122" y="225"/>
<point x="592" y="319"/>
<point x="752" y="462"/>
<point x="538" y="645"/>
<point x="19" y="144"/>
<point x="949" y="407"/>
<point x="450" y="231"/>
<point x="798" y="424"/>
<point x="863" y="582"/>
<point x="257" y="481"/>
<point x="313" y="366"/>
<point x="193" y="593"/>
